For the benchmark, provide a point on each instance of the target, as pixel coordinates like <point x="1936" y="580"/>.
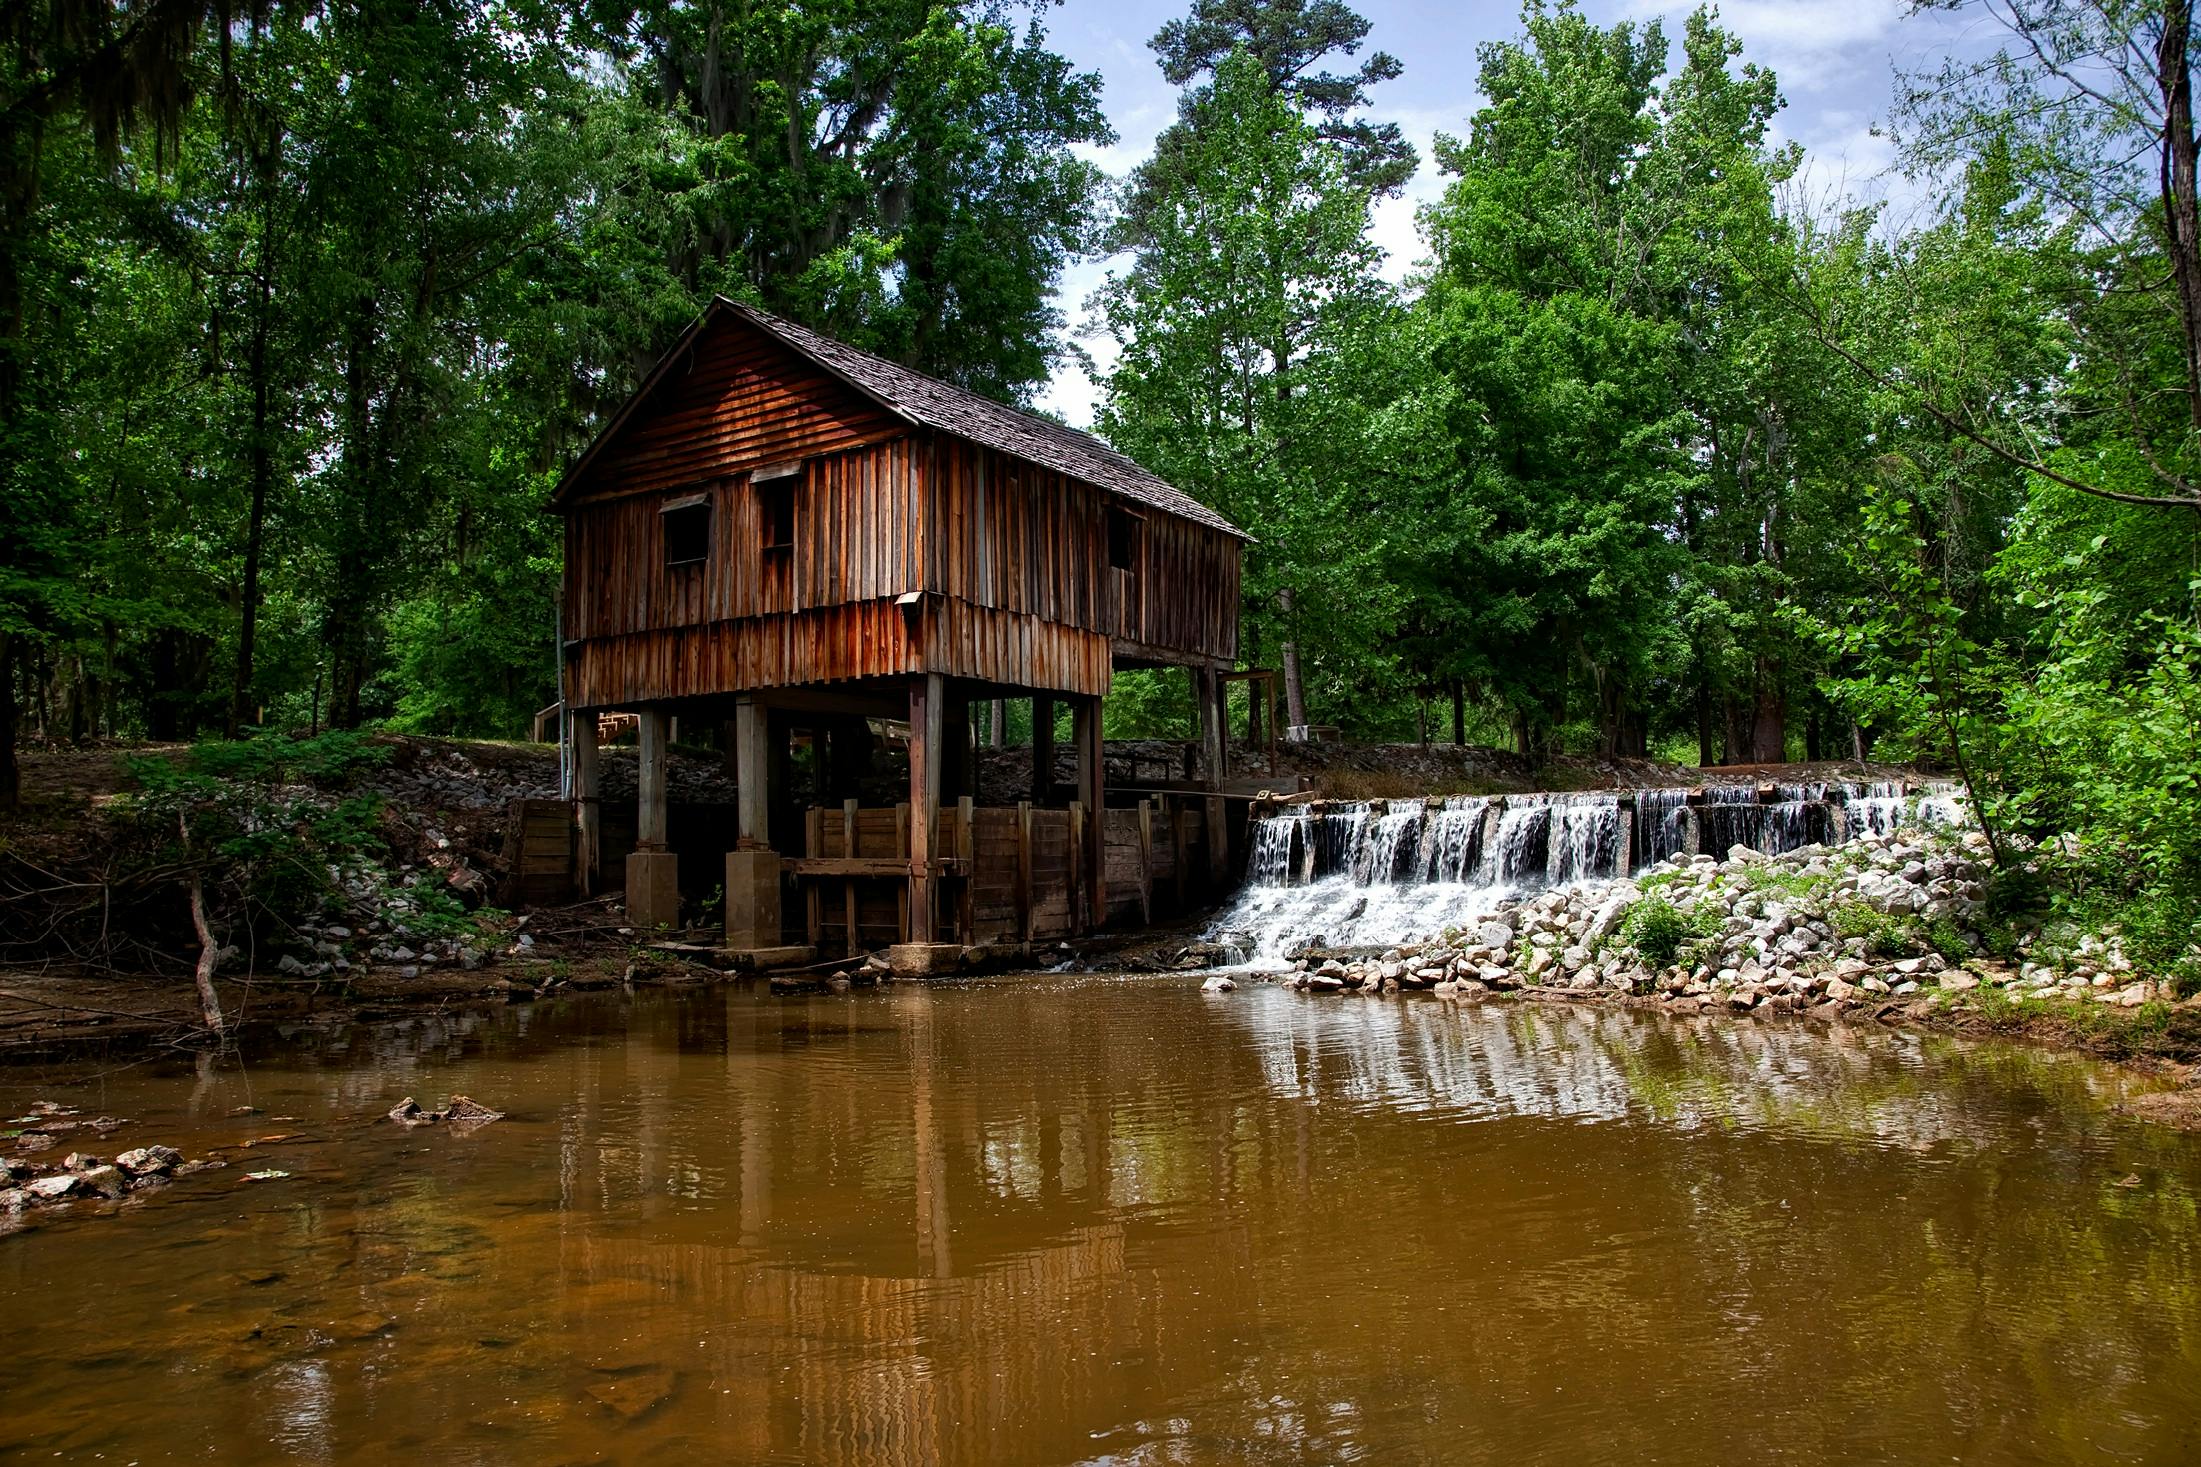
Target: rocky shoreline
<point x="1883" y="928"/>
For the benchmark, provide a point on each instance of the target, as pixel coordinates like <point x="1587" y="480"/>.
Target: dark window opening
<point x="776" y="512"/>
<point x="1125" y="530"/>
<point x="687" y="533"/>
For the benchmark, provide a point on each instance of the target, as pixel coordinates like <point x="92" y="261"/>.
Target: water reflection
<point x="1113" y="1222"/>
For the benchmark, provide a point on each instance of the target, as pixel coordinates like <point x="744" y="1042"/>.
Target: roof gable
<point x="927" y="402"/>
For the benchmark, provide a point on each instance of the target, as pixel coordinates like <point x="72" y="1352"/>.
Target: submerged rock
<point x="463" y="1111"/>
<point x="149" y="1161"/>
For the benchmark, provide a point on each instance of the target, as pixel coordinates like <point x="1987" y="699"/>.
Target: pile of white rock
<point x="1884" y="920"/>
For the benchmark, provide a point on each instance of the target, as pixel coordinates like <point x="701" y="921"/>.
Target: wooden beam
<point x="927" y="706"/>
<point x="858" y="866"/>
<point x="649" y="814"/>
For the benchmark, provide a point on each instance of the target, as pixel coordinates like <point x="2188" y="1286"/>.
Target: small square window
<point x="1125" y="531"/>
<point x="776" y="512"/>
<point x="687" y="532"/>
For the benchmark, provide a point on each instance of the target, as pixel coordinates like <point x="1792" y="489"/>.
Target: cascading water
<point x="1452" y="846"/>
<point x="1276" y="841"/>
<point x="1586" y="839"/>
<point x="1879" y="808"/>
<point x="1374" y="874"/>
<point x="1522" y="846"/>
<point x="1659" y="824"/>
<point x="1393" y="844"/>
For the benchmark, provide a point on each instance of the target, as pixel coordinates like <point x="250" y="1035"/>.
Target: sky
<point x="1836" y="61"/>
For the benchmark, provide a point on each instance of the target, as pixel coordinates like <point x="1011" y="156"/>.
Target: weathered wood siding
<point x="1014" y="557"/>
<point x="743" y="400"/>
<point x="1017" y="537"/>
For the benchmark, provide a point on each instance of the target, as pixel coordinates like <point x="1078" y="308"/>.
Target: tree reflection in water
<point x="1058" y="1221"/>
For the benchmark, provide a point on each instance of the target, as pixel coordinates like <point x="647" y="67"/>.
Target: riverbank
<point x="1892" y="928"/>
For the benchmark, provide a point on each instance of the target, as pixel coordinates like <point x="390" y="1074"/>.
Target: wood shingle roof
<point x="930" y="403"/>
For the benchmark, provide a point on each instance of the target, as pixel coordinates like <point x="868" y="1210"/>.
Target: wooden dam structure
<point x="813" y="548"/>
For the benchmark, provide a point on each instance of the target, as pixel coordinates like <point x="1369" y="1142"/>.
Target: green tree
<point x="1240" y="320"/>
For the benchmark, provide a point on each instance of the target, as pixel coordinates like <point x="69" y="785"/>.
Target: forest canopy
<point x="304" y="306"/>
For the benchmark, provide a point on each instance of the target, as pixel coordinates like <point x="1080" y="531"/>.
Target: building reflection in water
<point x="1125" y="1223"/>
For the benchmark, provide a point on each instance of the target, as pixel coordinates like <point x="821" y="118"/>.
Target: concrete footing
<point x="752" y="899"/>
<point x="653" y="889"/>
<point x="924" y="959"/>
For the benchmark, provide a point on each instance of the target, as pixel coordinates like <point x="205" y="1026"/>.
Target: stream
<point x="1085" y="1220"/>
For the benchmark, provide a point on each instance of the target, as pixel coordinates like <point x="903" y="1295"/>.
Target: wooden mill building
<point x="811" y="546"/>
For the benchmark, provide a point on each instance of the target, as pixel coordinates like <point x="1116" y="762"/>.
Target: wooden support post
<point x="1086" y="733"/>
<point x="1043" y="750"/>
<point x="901" y="853"/>
<point x="1207" y="696"/>
<point x="653" y="872"/>
<point x="649" y="814"/>
<point x="1146" y="862"/>
<point x="966" y="850"/>
<point x="848" y="887"/>
<point x="1080" y="918"/>
<point x="588" y="811"/>
<point x="1180" y="855"/>
<point x="1024" y="870"/>
<point x="1215" y="823"/>
<point x="927" y="697"/>
<point x="813" y="844"/>
<point x="752" y="777"/>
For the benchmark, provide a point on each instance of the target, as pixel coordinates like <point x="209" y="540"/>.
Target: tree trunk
<point x="241" y="710"/>
<point x="1769" y="716"/>
<point x="1459" y="714"/>
<point x="11" y="775"/>
<point x="2182" y="222"/>
<point x="1295" y="691"/>
<point x="997" y="730"/>
<point x="1707" y="756"/>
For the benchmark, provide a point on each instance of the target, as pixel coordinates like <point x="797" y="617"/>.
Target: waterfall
<point x="1523" y="844"/>
<point x="1877" y="808"/>
<point x="1585" y="839"/>
<point x="1393" y="844"/>
<point x="1275" y="841"/>
<point x="1370" y="874"/>
<point x="1452" y="848"/>
<point x="1658" y="824"/>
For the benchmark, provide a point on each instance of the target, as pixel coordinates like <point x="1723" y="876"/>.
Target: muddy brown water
<point x="1079" y="1221"/>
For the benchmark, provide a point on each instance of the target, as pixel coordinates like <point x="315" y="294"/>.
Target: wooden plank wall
<point x="744" y="399"/>
<point x="538" y="854"/>
<point x="1016" y="555"/>
<point x="1014" y="536"/>
<point x="1155" y="854"/>
<point x="858" y="532"/>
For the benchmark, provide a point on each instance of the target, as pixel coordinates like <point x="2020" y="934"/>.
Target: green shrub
<point x="1656" y="929"/>
<point x="1885" y="934"/>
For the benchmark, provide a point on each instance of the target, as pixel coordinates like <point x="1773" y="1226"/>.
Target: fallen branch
<point x="204" y="974"/>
